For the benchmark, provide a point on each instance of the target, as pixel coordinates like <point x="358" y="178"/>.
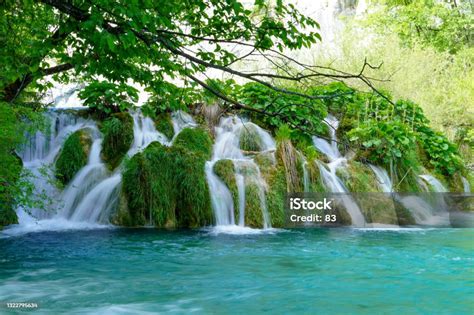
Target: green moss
<point x="167" y="186"/>
<point x="253" y="209"/>
<point x="276" y="196"/>
<point x="193" y="197"/>
<point x="358" y="177"/>
<point x="404" y="215"/>
<point x="375" y="206"/>
<point x="265" y="161"/>
<point x="249" y="138"/>
<point x="73" y="155"/>
<point x="164" y="125"/>
<point x="118" y="137"/>
<point x="315" y="177"/>
<point x="149" y="188"/>
<point x="225" y="170"/>
<point x="195" y="140"/>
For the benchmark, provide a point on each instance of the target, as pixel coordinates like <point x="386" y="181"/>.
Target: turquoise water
<point x="324" y="271"/>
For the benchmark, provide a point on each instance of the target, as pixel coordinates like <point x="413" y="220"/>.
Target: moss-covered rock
<point x="250" y="139"/>
<point x="225" y="170"/>
<point x="455" y="183"/>
<point x="118" y="137"/>
<point x="73" y="155"/>
<point x="276" y="196"/>
<point x="164" y="125"/>
<point x="149" y="188"/>
<point x="166" y="186"/>
<point x="192" y="148"/>
<point x="377" y="207"/>
<point x="316" y="182"/>
<point x="358" y="177"/>
<point x="253" y="205"/>
<point x="195" y="140"/>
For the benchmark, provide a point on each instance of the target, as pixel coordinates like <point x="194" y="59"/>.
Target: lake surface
<point x="324" y="271"/>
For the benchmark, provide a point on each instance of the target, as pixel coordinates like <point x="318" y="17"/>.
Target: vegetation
<point x="106" y="98"/>
<point x="73" y="156"/>
<point x="225" y="170"/>
<point x="118" y="137"/>
<point x="426" y="48"/>
<point x="164" y="125"/>
<point x="148" y="186"/>
<point x="249" y="139"/>
<point x="167" y="186"/>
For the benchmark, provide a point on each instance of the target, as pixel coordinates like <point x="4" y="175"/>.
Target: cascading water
<point x="85" y="180"/>
<point x="227" y="146"/>
<point x="466" y="186"/>
<point x="328" y="172"/>
<point x="384" y="181"/>
<point x="144" y="133"/>
<point x="92" y="195"/>
<point x="422" y="211"/>
<point x="306" y="182"/>
<point x="181" y="120"/>
<point x="435" y="183"/>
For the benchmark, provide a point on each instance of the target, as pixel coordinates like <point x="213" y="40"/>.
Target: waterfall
<point x="438" y="201"/>
<point x="384" y="181"/>
<point x="144" y="133"/>
<point x="306" y="182"/>
<point x="98" y="204"/>
<point x="89" y="176"/>
<point x="227" y="146"/>
<point x="182" y="120"/>
<point x="92" y="195"/>
<point x="422" y="211"/>
<point x="465" y="185"/>
<point x="435" y="183"/>
<point x="328" y="172"/>
<point x="40" y="151"/>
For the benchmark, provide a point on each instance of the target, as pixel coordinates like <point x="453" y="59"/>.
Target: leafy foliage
<point x="441" y="24"/>
<point x="287" y="109"/>
<point x="15" y="188"/>
<point x="108" y="98"/>
<point x="387" y="131"/>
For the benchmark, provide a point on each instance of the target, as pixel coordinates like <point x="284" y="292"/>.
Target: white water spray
<point x="328" y="172"/>
<point x="227" y="146"/>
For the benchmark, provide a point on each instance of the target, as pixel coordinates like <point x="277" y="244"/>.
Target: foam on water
<point x="233" y="229"/>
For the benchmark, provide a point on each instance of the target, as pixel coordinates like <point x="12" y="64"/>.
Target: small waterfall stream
<point x="227" y="146"/>
<point x="465" y="184"/>
<point x="328" y="172"/>
<point x="384" y="181"/>
<point x="422" y="210"/>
